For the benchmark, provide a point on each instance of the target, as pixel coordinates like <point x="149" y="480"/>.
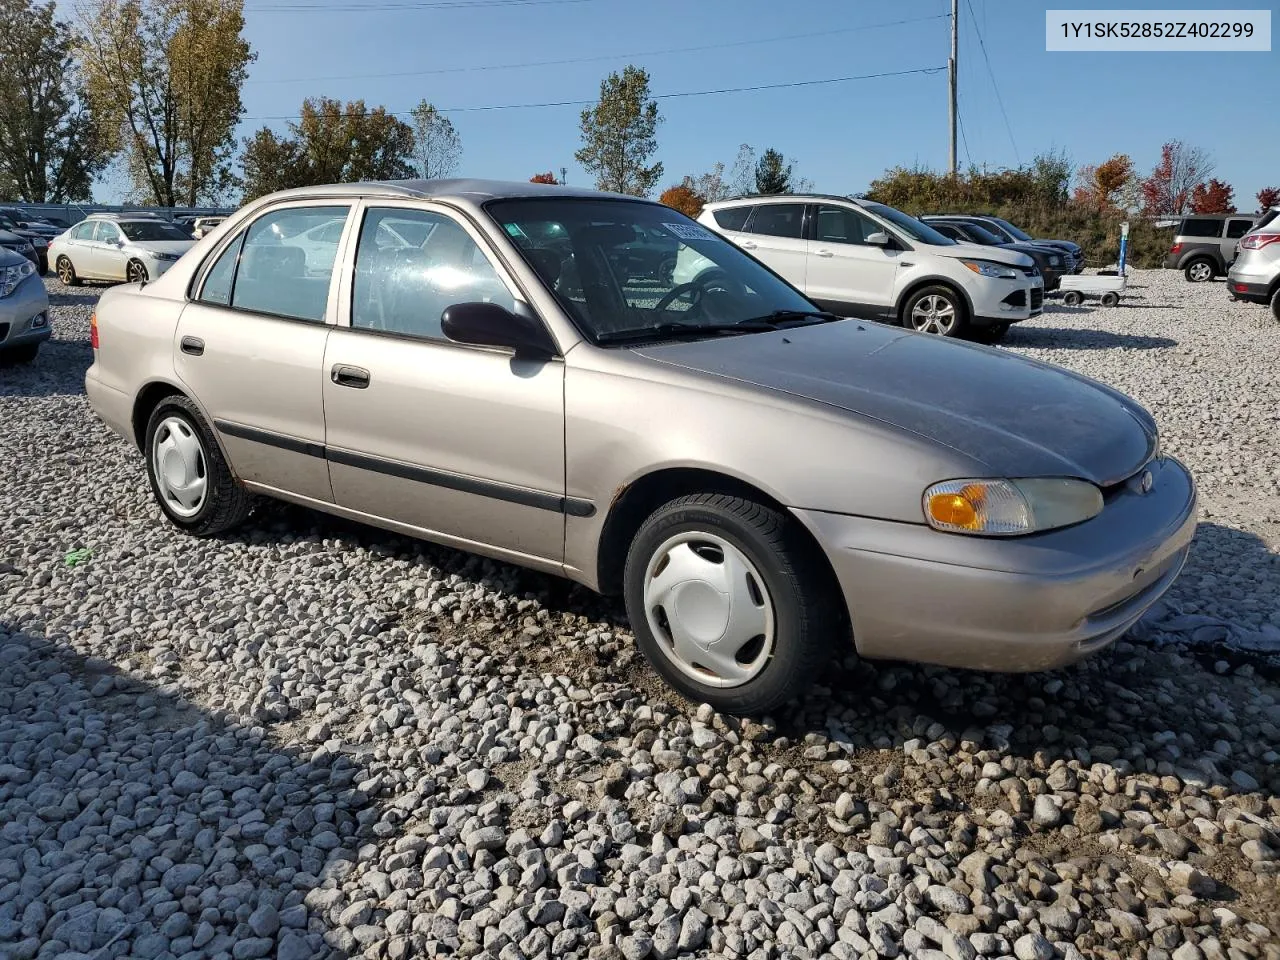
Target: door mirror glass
<point x="493" y="325"/>
<point x="878" y="239"/>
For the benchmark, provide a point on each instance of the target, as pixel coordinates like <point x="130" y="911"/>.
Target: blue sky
<point x="842" y="135"/>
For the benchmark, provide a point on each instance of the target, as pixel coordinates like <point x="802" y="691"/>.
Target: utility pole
<point x="951" y="78"/>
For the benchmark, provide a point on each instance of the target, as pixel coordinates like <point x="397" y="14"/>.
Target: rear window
<point x="732" y="218"/>
<point x="1200" y="227"/>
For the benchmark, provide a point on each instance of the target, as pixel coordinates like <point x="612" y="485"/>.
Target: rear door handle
<point x="823" y="253"/>
<point x="748" y="244"/>
<point x="345" y="376"/>
<point x="192" y="345"/>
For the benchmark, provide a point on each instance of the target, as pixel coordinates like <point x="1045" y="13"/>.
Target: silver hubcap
<point x="1200" y="271"/>
<point x="934" y="314"/>
<point x="177" y="458"/>
<point x="64" y="271"/>
<point x="708" y="607"/>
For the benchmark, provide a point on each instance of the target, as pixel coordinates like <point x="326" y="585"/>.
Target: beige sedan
<point x="484" y="365"/>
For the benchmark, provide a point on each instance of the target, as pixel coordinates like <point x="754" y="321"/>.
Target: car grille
<point x="4" y="331"/>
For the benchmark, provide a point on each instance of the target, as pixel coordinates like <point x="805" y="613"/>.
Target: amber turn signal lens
<point x="952" y="510"/>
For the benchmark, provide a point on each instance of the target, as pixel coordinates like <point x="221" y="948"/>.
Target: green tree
<point x="619" y="135"/>
<point x="330" y="142"/>
<point x="164" y="78"/>
<point x="50" y="149"/>
<point x="436" y="144"/>
<point x="773" y="173"/>
<point x="1051" y="171"/>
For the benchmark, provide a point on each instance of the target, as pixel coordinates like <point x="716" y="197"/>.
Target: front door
<point x="103" y="251"/>
<point x="251" y="349"/>
<point x="465" y="444"/>
<point x="845" y="272"/>
<point x="775" y="236"/>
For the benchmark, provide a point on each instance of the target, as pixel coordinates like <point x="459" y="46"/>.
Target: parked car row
<point x="112" y="246"/>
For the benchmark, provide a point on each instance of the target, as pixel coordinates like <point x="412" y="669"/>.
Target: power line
<point x="599" y="58"/>
<point x="656" y="96"/>
<point x="994" y="85"/>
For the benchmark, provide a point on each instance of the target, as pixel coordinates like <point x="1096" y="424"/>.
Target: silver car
<point x="24" y="309"/>
<point x="134" y="248"/>
<point x="764" y="483"/>
<point x="1255" y="275"/>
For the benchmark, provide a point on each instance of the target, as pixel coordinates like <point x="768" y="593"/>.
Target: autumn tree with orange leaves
<point x="1101" y="185"/>
<point x="683" y="198"/>
<point x="1212" y="197"/>
<point x="547" y="177"/>
<point x="1268" y="197"/>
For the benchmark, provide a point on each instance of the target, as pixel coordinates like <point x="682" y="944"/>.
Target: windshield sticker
<point x="690" y="231"/>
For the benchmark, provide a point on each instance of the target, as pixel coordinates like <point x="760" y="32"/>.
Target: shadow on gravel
<point x="72" y="299"/>
<point x="135" y="822"/>
<point x="47" y="375"/>
<point x="1067" y="338"/>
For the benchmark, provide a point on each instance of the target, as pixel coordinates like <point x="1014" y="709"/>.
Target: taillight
<point x="93" y="329"/>
<point x="1176" y="248"/>
<point x="1256" y="241"/>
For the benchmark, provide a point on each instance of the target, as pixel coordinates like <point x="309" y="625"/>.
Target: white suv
<point x="859" y="258"/>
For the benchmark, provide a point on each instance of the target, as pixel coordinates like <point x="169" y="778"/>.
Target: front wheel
<point x="1073" y="298"/>
<point x="190" y="479"/>
<point x="938" y="310"/>
<point x="1110" y="299"/>
<point x="1199" y="271"/>
<point x="729" y="603"/>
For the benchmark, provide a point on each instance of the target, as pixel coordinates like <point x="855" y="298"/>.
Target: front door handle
<point x="345" y="376"/>
<point x="192" y="345"/>
<point x="823" y="253"/>
<point x="748" y="244"/>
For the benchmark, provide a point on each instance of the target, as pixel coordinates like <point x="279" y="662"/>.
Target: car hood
<point x="1019" y="417"/>
<point x="163" y="246"/>
<point x="970" y="250"/>
<point x="9" y="237"/>
<point x="1064" y="244"/>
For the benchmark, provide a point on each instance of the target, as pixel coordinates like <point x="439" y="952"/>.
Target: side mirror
<point x="878" y="239"/>
<point x="491" y="325"/>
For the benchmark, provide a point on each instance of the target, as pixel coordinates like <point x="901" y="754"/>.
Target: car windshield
<point x="630" y="271"/>
<point x="1012" y="230"/>
<point x="913" y="228"/>
<point x="140" y="230"/>
<point x="7" y="224"/>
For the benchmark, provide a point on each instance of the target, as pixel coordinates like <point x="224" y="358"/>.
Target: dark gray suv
<point x="1205" y="244"/>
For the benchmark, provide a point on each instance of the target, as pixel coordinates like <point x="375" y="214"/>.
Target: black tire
<point x="1073" y="298"/>
<point x="1275" y="304"/>
<point x="1195" y="270"/>
<point x="1110" y="299"/>
<point x="226" y="502"/>
<point x="806" y="608"/>
<point x="992" y="334"/>
<point x="135" y="271"/>
<point x="67" y="272"/>
<point x="23" y="354"/>
<point x="960" y="311"/>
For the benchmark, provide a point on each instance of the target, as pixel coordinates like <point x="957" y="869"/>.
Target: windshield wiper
<point x="803" y="317"/>
<point x="680" y="331"/>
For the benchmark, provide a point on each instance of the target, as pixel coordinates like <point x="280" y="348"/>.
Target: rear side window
<point x="1238" y="228"/>
<point x="732" y="218"/>
<point x="1200" y="227"/>
<point x="218" y="281"/>
<point x="779" y="220"/>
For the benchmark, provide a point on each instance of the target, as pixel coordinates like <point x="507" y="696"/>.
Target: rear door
<point x="251" y="347"/>
<point x="463" y="443"/>
<point x="775" y="235"/>
<point x="845" y="272"/>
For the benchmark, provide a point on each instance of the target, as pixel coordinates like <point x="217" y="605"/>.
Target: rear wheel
<point x="1198" y="271"/>
<point x="937" y="310"/>
<point x="1275" y="304"/>
<point x="189" y="477"/>
<point x="1110" y="299"/>
<point x="729" y="603"/>
<point x="67" y="272"/>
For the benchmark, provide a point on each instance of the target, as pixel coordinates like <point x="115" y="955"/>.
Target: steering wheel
<point x="678" y="291"/>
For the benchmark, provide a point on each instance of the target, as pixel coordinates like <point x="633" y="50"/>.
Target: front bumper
<point x="1010" y="604"/>
<point x="1023" y="302"/>
<point x="24" y="315"/>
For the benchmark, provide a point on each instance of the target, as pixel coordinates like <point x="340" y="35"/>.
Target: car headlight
<point x="1009" y="508"/>
<point x="168" y="257"/>
<point x="10" y="277"/>
<point x="997" y="271"/>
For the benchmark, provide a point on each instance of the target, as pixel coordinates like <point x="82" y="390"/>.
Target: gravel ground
<point x="310" y="739"/>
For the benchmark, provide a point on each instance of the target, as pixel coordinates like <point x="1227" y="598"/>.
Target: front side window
<point x="1238" y="228"/>
<point x="706" y="286"/>
<point x="842" y="225"/>
<point x="411" y="265"/>
<point x="107" y="233"/>
<point x="779" y="220"/>
<point x="286" y="264"/>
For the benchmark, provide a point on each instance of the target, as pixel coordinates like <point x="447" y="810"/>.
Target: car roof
<point x="475" y="191"/>
<point x="753" y="198"/>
